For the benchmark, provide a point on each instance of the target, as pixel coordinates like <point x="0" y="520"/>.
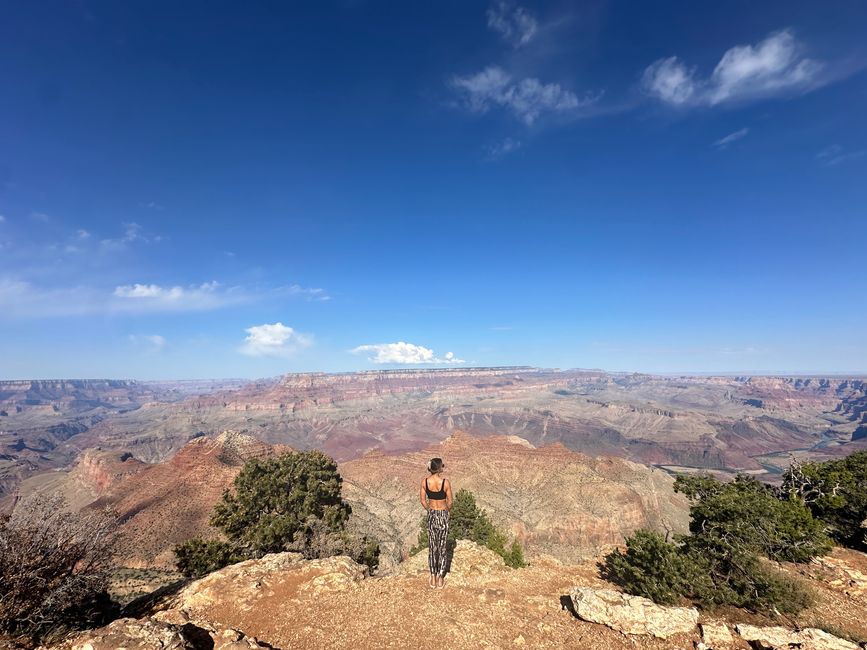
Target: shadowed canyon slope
<point x="722" y="423"/>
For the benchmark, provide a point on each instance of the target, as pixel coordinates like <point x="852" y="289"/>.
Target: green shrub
<point x="197" y="557"/>
<point x="730" y="576"/>
<point x="290" y="502"/>
<point x="835" y="491"/>
<point x="747" y="517"/>
<point x="280" y="497"/>
<point x="734" y="527"/>
<point x="651" y="567"/>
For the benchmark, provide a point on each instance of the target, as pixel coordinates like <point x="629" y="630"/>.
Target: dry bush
<point x="53" y="568"/>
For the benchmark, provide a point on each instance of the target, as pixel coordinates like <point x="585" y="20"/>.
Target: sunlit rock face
<point x="554" y="500"/>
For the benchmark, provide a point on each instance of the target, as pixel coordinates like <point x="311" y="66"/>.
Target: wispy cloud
<point x="313" y="294"/>
<point x="502" y="148"/>
<point x="2" y="218"/>
<point x="404" y="354"/>
<point x="153" y="297"/>
<point x="835" y="155"/>
<point x="512" y="22"/>
<point x="527" y="98"/>
<point x="22" y="299"/>
<point x="132" y="232"/>
<point x="773" y="66"/>
<point x="151" y="342"/>
<point x="274" y="340"/>
<point x="724" y="142"/>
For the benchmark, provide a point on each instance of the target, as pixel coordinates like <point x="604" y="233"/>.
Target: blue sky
<point x="220" y="189"/>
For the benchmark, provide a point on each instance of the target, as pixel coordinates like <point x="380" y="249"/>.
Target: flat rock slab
<point x="716" y="636"/>
<point x="782" y="638"/>
<point x="632" y="614"/>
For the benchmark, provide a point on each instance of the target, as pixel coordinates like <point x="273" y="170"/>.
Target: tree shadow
<point x="145" y="605"/>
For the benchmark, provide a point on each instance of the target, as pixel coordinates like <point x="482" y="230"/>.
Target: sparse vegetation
<point x="735" y="528"/>
<point x="468" y="521"/>
<point x="290" y="502"/>
<point x="835" y="491"/>
<point x="54" y="568"/>
<point x="198" y="557"/>
<point x="652" y="567"/>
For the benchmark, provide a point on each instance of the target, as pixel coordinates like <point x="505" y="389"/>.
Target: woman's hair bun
<point x="435" y="465"/>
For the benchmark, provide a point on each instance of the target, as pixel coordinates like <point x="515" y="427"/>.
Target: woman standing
<point x="435" y="495"/>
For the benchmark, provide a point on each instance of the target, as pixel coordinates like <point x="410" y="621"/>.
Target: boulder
<point x="716" y="636"/>
<point x="246" y="583"/>
<point x="632" y="614"/>
<point x="782" y="638"/>
<point x="150" y="634"/>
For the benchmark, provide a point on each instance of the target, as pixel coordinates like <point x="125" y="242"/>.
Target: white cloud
<point x="502" y="148"/>
<point x="670" y="80"/>
<point x="404" y="353"/>
<point x="835" y="154"/>
<point x="203" y="296"/>
<point x="773" y="66"/>
<point x="315" y="294"/>
<point x="153" y="342"/>
<point x="82" y="234"/>
<point x="526" y="98"/>
<point x="722" y="143"/>
<point x="132" y="232"/>
<point x="512" y="22"/>
<point x="274" y="340"/>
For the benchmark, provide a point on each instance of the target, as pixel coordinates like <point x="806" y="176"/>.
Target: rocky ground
<point x="282" y="601"/>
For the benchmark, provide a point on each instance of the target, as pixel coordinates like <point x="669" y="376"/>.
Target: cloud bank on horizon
<point x="404" y="354"/>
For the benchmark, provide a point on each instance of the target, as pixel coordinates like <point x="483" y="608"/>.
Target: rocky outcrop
<point x="149" y="634"/>
<point x="782" y="638"/>
<point x="632" y="614"/>
<point x="716" y="636"/>
<point x="275" y="576"/>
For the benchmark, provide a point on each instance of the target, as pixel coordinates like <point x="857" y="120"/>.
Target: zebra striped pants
<point x="437" y="534"/>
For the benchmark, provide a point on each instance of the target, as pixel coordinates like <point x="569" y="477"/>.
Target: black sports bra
<point x="439" y="495"/>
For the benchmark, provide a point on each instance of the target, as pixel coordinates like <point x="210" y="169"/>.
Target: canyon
<point x="553" y="500"/>
<point x="567" y="462"/>
<point x="681" y="423"/>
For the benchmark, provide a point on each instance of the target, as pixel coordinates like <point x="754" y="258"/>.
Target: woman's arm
<point x="448" y="485"/>
<point x="422" y="496"/>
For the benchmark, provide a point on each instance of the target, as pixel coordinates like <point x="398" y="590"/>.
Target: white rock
<point x="782" y="638"/>
<point x="632" y="614"/>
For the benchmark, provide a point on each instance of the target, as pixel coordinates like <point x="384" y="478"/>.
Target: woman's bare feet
<point x="441" y="581"/>
<point x="432" y="582"/>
